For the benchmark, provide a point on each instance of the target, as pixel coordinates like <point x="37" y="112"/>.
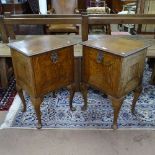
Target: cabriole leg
<point x="71" y="89"/>
<point x="137" y="93"/>
<point x="116" y="103"/>
<point x="84" y="91"/>
<point x="36" y="103"/>
<point x="20" y="92"/>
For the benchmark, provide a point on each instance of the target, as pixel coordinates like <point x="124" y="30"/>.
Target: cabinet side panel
<point x="132" y="72"/>
<point x="22" y="69"/>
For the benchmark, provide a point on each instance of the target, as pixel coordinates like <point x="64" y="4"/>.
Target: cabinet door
<point x="101" y="69"/>
<point x="54" y="69"/>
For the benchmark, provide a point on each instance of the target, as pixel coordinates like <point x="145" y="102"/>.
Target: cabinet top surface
<point x="123" y="46"/>
<point x="42" y="44"/>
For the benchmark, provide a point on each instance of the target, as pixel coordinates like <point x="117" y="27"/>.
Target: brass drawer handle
<point x="100" y="57"/>
<point x="54" y="57"/>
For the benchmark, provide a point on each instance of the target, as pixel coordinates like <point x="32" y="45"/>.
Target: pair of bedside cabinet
<point x="111" y="64"/>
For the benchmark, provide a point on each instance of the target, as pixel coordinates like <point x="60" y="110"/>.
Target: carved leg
<point x="20" y="92"/>
<point x="108" y="29"/>
<point x="153" y="75"/>
<point x="116" y="103"/>
<point x="84" y="92"/>
<point x="37" y="102"/>
<point x="71" y="89"/>
<point x="137" y="93"/>
<point x="104" y="95"/>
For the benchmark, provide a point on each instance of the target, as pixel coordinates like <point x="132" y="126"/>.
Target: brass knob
<point x="54" y="56"/>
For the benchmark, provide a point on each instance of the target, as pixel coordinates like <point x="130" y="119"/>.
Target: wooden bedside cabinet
<point x="41" y="65"/>
<point x="115" y="66"/>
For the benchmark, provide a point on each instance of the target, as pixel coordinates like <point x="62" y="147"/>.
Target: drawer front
<point x="54" y="70"/>
<point x="101" y="69"/>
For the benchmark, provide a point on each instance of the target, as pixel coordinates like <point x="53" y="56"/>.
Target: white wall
<point x="43" y="6"/>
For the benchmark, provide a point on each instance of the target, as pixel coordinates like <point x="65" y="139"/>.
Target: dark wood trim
<point x="31" y="21"/>
<point x="98" y="19"/>
<point x="122" y="19"/>
<point x="84" y="27"/>
<point x="10" y="27"/>
<point x="3" y="31"/>
<point x="45" y="16"/>
<point x="84" y="20"/>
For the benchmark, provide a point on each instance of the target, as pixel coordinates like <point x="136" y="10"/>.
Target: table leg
<point x="116" y="103"/>
<point x="3" y="73"/>
<point x="153" y="75"/>
<point x="84" y="91"/>
<point x="137" y="93"/>
<point x="20" y="92"/>
<point x="72" y="92"/>
<point x="37" y="102"/>
<point x="108" y="29"/>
